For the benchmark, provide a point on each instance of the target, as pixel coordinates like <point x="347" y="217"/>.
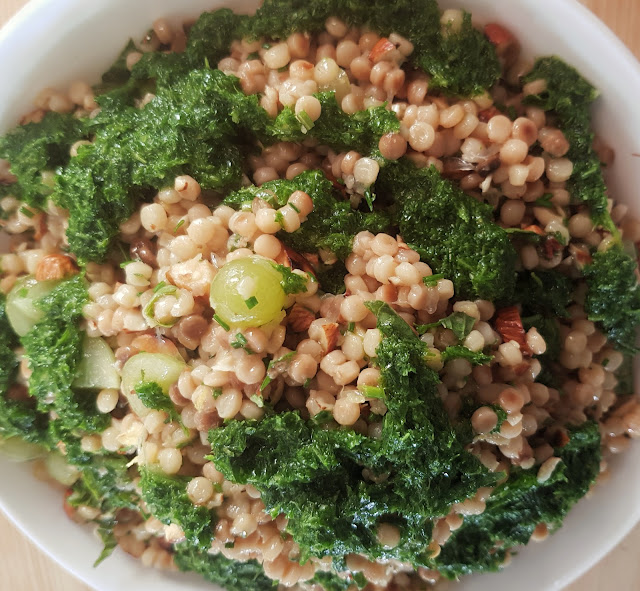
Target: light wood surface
<point x="25" y="568"/>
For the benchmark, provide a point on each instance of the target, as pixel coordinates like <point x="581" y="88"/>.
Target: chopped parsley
<point x="569" y="96"/>
<point x="152" y="396"/>
<point x="240" y="342"/>
<point x="315" y="476"/>
<point x="166" y="497"/>
<point x="291" y="282"/>
<point x="461" y="324"/>
<point x="613" y="297"/>
<point x="432" y="280"/>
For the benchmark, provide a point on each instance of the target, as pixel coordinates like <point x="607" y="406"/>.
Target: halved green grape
<point x="247" y="292"/>
<point x="21" y="303"/>
<point x="149" y="367"/>
<point x="18" y="450"/>
<point x="97" y="368"/>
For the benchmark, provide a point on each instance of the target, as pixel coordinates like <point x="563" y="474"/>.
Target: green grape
<point x="247" y="292"/>
<point x="162" y="369"/>
<point x="21" y="303"/>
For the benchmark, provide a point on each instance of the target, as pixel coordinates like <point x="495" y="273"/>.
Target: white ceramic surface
<point x="52" y="42"/>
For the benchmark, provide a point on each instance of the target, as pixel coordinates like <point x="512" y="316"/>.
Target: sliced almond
<point x="300" y="318"/>
<point x="329" y="336"/>
<point x="55" y="266"/>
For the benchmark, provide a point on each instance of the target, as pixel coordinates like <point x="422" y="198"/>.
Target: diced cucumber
<point x="60" y="470"/>
<point x="18" y="450"/>
<point x="97" y="368"/>
<point x="21" y="303"/>
<point x="149" y="367"/>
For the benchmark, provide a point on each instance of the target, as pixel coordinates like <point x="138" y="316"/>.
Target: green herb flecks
<point x="453" y="232"/>
<point x="54" y="349"/>
<point x="166" y="497"/>
<point x="240" y="342"/>
<point x="460" y="323"/>
<point x="106" y="484"/>
<point x="152" y="396"/>
<point x="613" y="297"/>
<point x="569" y="96"/>
<point x="331" y="225"/>
<point x="516" y="507"/>
<point x="232" y="575"/>
<point x="291" y="282"/>
<point x="251" y="303"/>
<point x="37" y="147"/>
<point x="315" y="475"/>
<point x="459" y="62"/>
<point x="462" y="352"/>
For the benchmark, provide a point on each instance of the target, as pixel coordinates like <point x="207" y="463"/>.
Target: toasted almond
<point x="329" y="338"/>
<point x="55" y="266"/>
<point x="535" y="229"/>
<point x="300" y="318"/>
<point x="40" y="226"/>
<point x="154" y="344"/>
<point x="383" y="49"/>
<point x="195" y="275"/>
<point x="559" y="438"/>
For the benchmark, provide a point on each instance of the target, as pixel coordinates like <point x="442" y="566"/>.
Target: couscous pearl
<point x="421" y="136"/>
<point x="107" y="400"/>
<point x="513" y="151"/>
<point x="559" y="170"/>
<point x="267" y="246"/>
<point x="310" y="105"/>
<point x="326" y="71"/>
<point x="170" y="460"/>
<point x="366" y="171"/>
<point x="346" y="412"/>
<point x="277" y="56"/>
<point x="499" y="129"/>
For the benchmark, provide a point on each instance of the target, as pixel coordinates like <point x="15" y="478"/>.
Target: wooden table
<point x="25" y="568"/>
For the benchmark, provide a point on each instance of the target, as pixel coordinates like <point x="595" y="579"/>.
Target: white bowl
<point x="52" y="42"/>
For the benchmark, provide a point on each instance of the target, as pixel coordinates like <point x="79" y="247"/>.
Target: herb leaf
<point x="460" y="323"/>
<point x="152" y="396"/>
<point x="315" y="475"/>
<point x="166" y="497"/>
<point x="232" y="575"/>
<point x="613" y="297"/>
